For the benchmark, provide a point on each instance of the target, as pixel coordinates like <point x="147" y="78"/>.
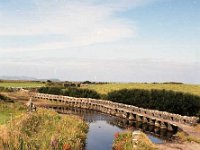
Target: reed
<point x="44" y="129"/>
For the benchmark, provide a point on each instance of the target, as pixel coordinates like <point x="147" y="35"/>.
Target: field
<point x="23" y="84"/>
<point x="105" y="88"/>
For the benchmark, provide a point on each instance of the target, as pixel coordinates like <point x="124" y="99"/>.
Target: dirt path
<point x="192" y="131"/>
<point x="179" y="146"/>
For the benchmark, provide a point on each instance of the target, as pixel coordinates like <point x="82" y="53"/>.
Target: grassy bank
<point x="183" y="137"/>
<point x="124" y="141"/>
<point x="8" y="110"/>
<point x="44" y="129"/>
<point x="105" y="88"/>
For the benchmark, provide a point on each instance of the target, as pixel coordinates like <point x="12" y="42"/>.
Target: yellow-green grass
<point x="105" y="88"/>
<point x="187" y="138"/>
<point x="44" y="129"/>
<point x="24" y="84"/>
<point x="10" y="110"/>
<point x="124" y="141"/>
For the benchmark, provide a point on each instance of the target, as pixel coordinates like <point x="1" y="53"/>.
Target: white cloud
<point x="81" y="22"/>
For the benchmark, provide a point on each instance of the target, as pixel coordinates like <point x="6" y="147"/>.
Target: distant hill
<point x="26" y="78"/>
<point x="16" y="78"/>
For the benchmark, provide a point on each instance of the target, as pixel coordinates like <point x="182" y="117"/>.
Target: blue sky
<point x="101" y="40"/>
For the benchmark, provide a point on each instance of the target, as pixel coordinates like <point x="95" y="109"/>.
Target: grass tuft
<point x="124" y="141"/>
<point x="44" y="129"/>
<point x="9" y="110"/>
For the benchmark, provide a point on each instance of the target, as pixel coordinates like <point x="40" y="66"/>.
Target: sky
<point x="101" y="40"/>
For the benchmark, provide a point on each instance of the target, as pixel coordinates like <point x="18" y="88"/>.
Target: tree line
<point x="163" y="100"/>
<point x="73" y="92"/>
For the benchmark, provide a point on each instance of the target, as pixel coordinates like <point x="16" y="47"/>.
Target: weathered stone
<point x="123" y="110"/>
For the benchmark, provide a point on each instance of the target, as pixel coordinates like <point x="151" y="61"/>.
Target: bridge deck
<point x="158" y="118"/>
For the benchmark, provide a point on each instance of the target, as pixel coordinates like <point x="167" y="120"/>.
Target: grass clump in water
<point x="125" y="141"/>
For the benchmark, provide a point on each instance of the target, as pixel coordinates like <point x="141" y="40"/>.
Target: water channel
<point x="102" y="128"/>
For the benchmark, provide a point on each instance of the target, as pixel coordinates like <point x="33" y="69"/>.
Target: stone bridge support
<point x="156" y="118"/>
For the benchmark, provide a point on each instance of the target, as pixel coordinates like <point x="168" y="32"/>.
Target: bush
<point x="50" y="90"/>
<point x="174" y="102"/>
<point x="2" y="97"/>
<point x="74" y="92"/>
<point x="84" y="93"/>
<point x="43" y="90"/>
<point x="5" y="89"/>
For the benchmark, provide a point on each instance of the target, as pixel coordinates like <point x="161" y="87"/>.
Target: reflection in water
<point x="102" y="128"/>
<point x="101" y="135"/>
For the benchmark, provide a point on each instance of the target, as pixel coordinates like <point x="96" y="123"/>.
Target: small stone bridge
<point x="156" y="118"/>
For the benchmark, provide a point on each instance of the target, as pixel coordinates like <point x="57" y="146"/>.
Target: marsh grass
<point x="124" y="141"/>
<point x="44" y="129"/>
<point x="8" y="110"/>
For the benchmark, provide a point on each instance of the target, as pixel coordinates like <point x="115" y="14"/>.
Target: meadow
<point x="23" y="84"/>
<point x="106" y="88"/>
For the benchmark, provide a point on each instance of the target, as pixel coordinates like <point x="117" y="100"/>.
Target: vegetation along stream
<point x="102" y="128"/>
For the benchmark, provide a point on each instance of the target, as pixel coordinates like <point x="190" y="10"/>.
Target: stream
<point x="102" y="128"/>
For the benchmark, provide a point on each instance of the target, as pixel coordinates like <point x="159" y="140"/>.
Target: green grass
<point x="37" y="130"/>
<point x="23" y="84"/>
<point x="10" y="109"/>
<point x="105" y="88"/>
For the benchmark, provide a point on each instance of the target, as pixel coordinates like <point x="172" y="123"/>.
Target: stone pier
<point x="153" y="117"/>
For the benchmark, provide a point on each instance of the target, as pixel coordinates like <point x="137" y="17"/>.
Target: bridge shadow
<point x="92" y="116"/>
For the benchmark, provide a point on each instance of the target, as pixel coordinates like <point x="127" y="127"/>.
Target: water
<point x="102" y="128"/>
<point x="100" y="135"/>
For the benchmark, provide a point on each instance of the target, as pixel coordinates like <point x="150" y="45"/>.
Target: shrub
<point x="74" y="92"/>
<point x="174" y="102"/>
<point x="5" y="89"/>
<point x="2" y="97"/>
<point x="50" y="90"/>
<point x="84" y="93"/>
